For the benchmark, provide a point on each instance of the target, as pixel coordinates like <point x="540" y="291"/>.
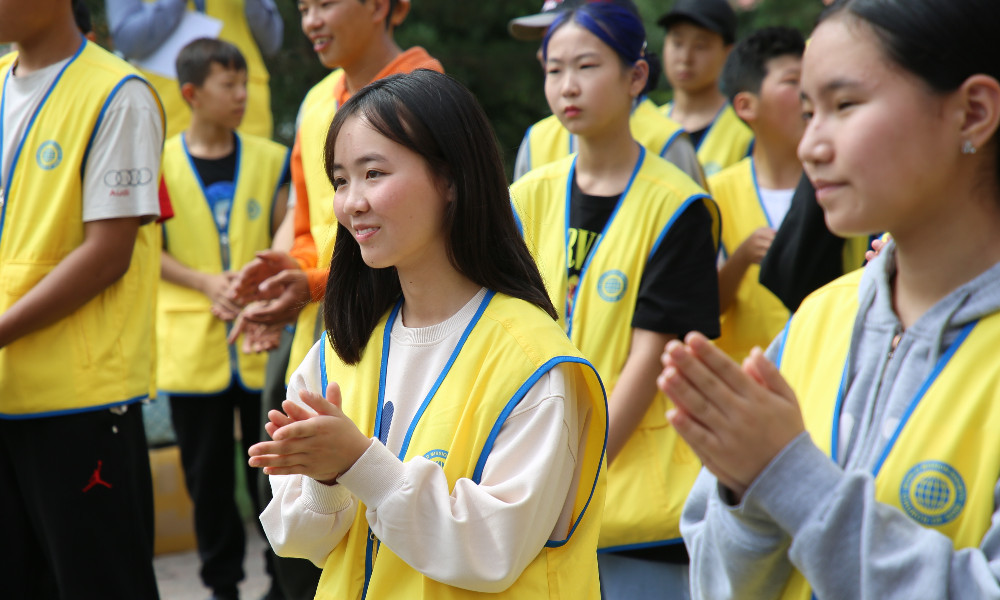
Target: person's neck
<point x="696" y="110"/>
<point x="372" y="62"/>
<point x="777" y="168"/>
<point x="605" y="163"/>
<point x="208" y="140"/>
<point x="433" y="293"/>
<point x="55" y="43"/>
<point x="946" y="251"/>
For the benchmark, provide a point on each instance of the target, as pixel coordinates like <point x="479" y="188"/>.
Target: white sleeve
<point x="123" y="163"/>
<point x="305" y="518"/>
<point x="483" y="535"/>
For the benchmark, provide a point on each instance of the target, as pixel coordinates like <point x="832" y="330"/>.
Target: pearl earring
<point x="968" y="148"/>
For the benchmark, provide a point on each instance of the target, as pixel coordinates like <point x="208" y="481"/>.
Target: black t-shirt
<point x="679" y="289"/>
<point x="698" y="136"/>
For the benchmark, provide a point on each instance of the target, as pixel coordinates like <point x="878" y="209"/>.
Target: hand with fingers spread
<point x="736" y="419"/>
<point x="268" y="263"/>
<point x="321" y="443"/>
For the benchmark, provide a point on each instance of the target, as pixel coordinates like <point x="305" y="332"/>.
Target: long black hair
<point x="436" y="117"/>
<point x="942" y="42"/>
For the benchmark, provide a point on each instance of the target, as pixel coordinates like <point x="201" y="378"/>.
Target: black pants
<point x="296" y="577"/>
<point x="76" y="497"/>
<point x="204" y="428"/>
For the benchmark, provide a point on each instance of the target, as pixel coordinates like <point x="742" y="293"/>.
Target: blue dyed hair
<point x="616" y="26"/>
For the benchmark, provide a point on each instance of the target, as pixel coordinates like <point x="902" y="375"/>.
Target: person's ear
<point x="639" y="77"/>
<point x="978" y="110"/>
<point x="745" y="105"/>
<point x="399" y="14"/>
<point x="188" y="92"/>
<point x="380" y="11"/>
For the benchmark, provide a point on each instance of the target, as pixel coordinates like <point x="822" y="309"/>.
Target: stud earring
<point x="968" y="148"/>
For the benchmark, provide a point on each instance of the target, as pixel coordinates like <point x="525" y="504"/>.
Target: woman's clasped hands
<point x="736" y="419"/>
<point x="321" y="443"/>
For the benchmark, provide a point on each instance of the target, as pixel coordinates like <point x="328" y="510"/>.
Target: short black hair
<point x="194" y="61"/>
<point x="746" y="66"/>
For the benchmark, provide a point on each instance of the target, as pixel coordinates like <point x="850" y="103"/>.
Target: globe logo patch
<point x="49" y="155"/>
<point x="612" y="285"/>
<point x="437" y="456"/>
<point x="253" y="209"/>
<point x="932" y="493"/>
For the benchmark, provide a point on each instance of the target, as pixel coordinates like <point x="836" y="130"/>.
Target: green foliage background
<point x="470" y="38"/>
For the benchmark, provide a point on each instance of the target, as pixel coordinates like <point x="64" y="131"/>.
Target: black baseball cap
<point x="714" y="15"/>
<point x="533" y="27"/>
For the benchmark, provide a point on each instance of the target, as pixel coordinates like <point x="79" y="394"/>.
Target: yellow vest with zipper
<point x="942" y="469"/>
<point x="101" y="354"/>
<point x="549" y="141"/>
<point x="318" y="110"/>
<point x="727" y="141"/>
<point x="652" y="475"/>
<point x="755" y="315"/>
<point x="511" y="345"/>
<point x="236" y="31"/>
<point x="194" y="357"/>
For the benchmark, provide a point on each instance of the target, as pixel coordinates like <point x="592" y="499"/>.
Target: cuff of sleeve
<point x="798" y="482"/>
<point x="324" y="499"/>
<point x="375" y="476"/>
<point x="317" y="283"/>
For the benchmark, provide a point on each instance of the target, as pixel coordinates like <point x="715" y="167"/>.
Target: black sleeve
<point x="679" y="291"/>
<point x="804" y="255"/>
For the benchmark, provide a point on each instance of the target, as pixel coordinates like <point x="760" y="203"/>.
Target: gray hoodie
<point x="821" y="517"/>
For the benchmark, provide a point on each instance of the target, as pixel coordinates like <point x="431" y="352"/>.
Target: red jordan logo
<point x="95" y="478"/>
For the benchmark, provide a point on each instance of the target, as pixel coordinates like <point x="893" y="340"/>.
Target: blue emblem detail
<point x="437" y="456"/>
<point x="49" y="155"/>
<point x="932" y="493"/>
<point x="253" y="209"/>
<point x="612" y="285"/>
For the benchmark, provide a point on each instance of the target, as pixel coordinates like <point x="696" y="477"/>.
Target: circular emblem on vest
<point x="932" y="493"/>
<point x="49" y="155"/>
<point x="253" y="209"/>
<point x="612" y="285"/>
<point x="437" y="456"/>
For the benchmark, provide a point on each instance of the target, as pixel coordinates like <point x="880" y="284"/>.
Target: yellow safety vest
<point x="101" y="354"/>
<point x="510" y="345"/>
<point x="235" y="30"/>
<point x="194" y="357"/>
<point x="727" y="141"/>
<point x="318" y="110"/>
<point x="549" y="141"/>
<point x="756" y="315"/>
<point x="941" y="466"/>
<point x="650" y="478"/>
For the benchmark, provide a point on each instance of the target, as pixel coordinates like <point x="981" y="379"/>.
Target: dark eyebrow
<point x="832" y="86"/>
<point x="361" y="160"/>
<point x="578" y="57"/>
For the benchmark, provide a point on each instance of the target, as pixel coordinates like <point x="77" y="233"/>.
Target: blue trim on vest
<point x="711" y="126"/>
<point x="100" y="118"/>
<point x="322" y="363"/>
<point x="931" y="378"/>
<point x="444" y="373"/>
<point x="670" y="141"/>
<point x="27" y="131"/>
<point x="517" y="218"/>
<point x="526" y="142"/>
<point x="281" y="178"/>
<point x="673" y="218"/>
<point x="627" y="547"/>
<point x="756" y="190"/>
<point x="597" y="244"/>
<point x="72" y="411"/>
<point x="781" y="344"/>
<point x="477" y="473"/>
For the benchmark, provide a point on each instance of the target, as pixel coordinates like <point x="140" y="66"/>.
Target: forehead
<point x="571" y="40"/>
<point x="843" y="48"/>
<point x="784" y="64"/>
<point x="689" y="31"/>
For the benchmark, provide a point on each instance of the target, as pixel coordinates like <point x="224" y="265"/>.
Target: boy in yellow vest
<point x="761" y="80"/>
<point x="700" y="34"/>
<point x="229" y="192"/>
<point x="80" y="141"/>
<point x="355" y="39"/>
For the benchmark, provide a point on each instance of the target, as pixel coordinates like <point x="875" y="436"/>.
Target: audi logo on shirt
<point x="128" y="177"/>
